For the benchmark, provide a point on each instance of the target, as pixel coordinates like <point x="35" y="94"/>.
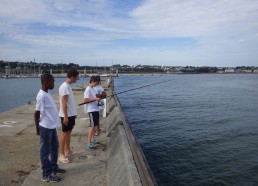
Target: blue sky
<point x="132" y="32"/>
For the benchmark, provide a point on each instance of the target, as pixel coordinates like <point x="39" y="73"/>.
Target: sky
<point x="222" y="33"/>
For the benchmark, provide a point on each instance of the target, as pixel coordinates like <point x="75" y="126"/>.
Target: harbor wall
<point x="117" y="160"/>
<point x="126" y="163"/>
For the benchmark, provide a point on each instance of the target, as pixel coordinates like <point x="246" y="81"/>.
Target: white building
<point x="229" y="70"/>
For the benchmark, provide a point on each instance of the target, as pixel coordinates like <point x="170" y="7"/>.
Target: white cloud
<point x="83" y="30"/>
<point x="25" y="11"/>
<point x="195" y="18"/>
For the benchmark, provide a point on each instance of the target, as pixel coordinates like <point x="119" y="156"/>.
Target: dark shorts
<point x="94" y="118"/>
<point x="70" y="125"/>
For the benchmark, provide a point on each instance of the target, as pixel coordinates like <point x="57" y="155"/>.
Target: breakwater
<point x="117" y="160"/>
<point x="126" y="163"/>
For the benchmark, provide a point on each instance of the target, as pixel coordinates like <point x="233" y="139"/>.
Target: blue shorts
<point x="94" y="118"/>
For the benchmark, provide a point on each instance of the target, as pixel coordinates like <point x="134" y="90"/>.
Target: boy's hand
<point x="37" y="131"/>
<point x="98" y="95"/>
<point x="65" y="121"/>
<point x="101" y="96"/>
<point x="97" y="99"/>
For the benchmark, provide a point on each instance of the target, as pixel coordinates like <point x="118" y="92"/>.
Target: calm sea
<point x="195" y="130"/>
<point x="19" y="91"/>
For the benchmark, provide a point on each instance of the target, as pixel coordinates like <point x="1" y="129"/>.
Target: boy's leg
<point x="62" y="146"/>
<point x="67" y="147"/>
<point x="91" y="129"/>
<point x="97" y="126"/>
<point x="90" y="135"/>
<point x="54" y="151"/>
<point x="96" y="131"/>
<point x="69" y="128"/>
<point x="65" y="139"/>
<point x="45" y="149"/>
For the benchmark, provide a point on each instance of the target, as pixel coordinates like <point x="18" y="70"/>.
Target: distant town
<point x="32" y="68"/>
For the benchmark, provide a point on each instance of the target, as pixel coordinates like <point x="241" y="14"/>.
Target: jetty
<point x="117" y="160"/>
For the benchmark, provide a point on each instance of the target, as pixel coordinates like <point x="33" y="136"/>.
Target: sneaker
<point x="94" y="142"/>
<point x="52" y="178"/>
<point x="59" y="171"/>
<point x="90" y="147"/>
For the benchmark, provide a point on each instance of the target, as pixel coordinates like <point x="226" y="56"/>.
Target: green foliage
<point x="31" y="67"/>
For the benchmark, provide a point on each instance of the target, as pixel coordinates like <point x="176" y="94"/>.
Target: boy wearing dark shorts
<point x="70" y="125"/>
<point x="91" y="107"/>
<point x="67" y="114"/>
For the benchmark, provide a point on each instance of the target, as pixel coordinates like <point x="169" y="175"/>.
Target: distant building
<point x="229" y="70"/>
<point x="247" y="71"/>
<point x="220" y="71"/>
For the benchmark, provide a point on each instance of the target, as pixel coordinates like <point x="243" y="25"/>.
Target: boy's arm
<point x="89" y="100"/>
<point x="36" y="119"/>
<point x="104" y="94"/>
<point x="64" y="107"/>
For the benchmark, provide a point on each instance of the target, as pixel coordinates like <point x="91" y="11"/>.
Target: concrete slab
<point x="13" y="126"/>
<point x="19" y="157"/>
<point x="86" y="167"/>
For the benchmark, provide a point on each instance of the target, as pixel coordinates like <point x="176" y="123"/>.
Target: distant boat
<point x="102" y="75"/>
<point x="108" y="75"/>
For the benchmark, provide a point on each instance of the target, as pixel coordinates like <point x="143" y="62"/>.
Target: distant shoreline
<point x="131" y="74"/>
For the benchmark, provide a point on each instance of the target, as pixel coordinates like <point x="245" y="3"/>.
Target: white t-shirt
<point x="99" y="89"/>
<point x="48" y="111"/>
<point x="66" y="89"/>
<point x="93" y="106"/>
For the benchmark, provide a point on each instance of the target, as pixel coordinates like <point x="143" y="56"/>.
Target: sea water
<point x="199" y="130"/>
<point x="20" y="91"/>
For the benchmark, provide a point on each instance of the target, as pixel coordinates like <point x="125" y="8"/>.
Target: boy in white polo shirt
<point x="46" y="121"/>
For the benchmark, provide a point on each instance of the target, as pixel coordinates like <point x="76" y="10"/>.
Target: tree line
<point x="63" y="67"/>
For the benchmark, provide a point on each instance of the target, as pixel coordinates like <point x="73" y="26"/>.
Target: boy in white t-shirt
<point x="67" y="114"/>
<point x="102" y="94"/>
<point x="91" y="107"/>
<point x="46" y="121"/>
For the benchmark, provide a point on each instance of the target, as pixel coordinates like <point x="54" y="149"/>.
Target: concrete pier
<point x="117" y="160"/>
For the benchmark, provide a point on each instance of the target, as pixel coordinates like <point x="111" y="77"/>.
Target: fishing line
<point x="132" y="89"/>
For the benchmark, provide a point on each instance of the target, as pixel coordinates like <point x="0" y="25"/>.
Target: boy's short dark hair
<point x="98" y="78"/>
<point x="45" y="78"/>
<point x="94" y="79"/>
<point x="72" y="72"/>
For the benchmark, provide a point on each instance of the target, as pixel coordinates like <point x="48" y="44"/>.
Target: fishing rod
<point x="129" y="90"/>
